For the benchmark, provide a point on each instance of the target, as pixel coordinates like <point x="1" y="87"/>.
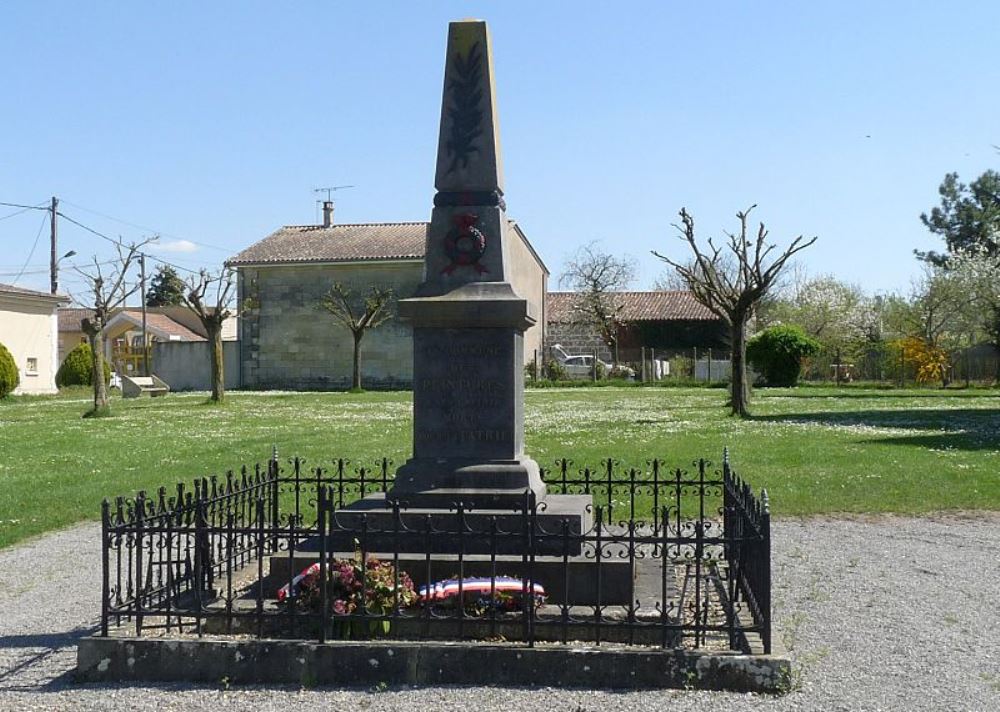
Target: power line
<point x="119" y="243"/>
<point x="32" y="253"/>
<point x="26" y="207"/>
<point x="18" y="212"/>
<point x="142" y="227"/>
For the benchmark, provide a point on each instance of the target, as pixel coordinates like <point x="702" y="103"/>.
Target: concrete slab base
<point x="346" y="663"/>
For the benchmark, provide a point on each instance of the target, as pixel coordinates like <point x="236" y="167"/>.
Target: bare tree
<point x="209" y="295"/>
<point x="108" y="292"/>
<point x="358" y="315"/>
<point x="731" y="280"/>
<point x="596" y="277"/>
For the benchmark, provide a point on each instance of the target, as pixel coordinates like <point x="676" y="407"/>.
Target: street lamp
<point x="55" y="270"/>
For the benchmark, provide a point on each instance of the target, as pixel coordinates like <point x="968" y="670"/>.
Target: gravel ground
<point x="882" y="613"/>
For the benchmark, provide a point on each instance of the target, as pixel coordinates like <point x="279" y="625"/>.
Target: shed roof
<point x="635" y="306"/>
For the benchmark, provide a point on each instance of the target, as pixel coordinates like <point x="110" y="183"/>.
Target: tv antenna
<point x="329" y="191"/>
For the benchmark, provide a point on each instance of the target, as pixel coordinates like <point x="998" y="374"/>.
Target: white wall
<point x="29" y="329"/>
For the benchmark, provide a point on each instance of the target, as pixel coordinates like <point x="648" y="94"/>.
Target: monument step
<point x="572" y="581"/>
<point x="555" y="528"/>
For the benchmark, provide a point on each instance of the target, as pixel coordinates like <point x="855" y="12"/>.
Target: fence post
<point x="643" y="369"/>
<point x="140" y="511"/>
<point x="593" y="366"/>
<point x="534" y="367"/>
<point x="837" y="377"/>
<point x="201" y="546"/>
<point x="324" y="611"/>
<point x="710" y="365"/>
<point x="765" y="604"/>
<point x="105" y="564"/>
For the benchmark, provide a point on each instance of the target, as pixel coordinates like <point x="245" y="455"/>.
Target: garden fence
<point x="694" y="543"/>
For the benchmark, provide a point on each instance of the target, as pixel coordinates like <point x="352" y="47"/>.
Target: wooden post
<point x="643" y="369"/>
<point x="710" y="365"/>
<point x="53" y="249"/>
<point x="837" y="376"/>
<point x="593" y="366"/>
<point x="694" y="365"/>
<point x="142" y="297"/>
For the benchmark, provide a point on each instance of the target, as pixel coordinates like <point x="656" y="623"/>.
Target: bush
<point x="9" y="377"/>
<point x="777" y="353"/>
<point x="77" y="368"/>
<point x="552" y="370"/>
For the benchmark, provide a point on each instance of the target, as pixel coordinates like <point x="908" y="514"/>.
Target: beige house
<point x="29" y="330"/>
<point x="287" y="341"/>
<point x="123" y="334"/>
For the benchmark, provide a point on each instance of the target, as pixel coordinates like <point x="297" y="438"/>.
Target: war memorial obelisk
<point x="468" y="323"/>
<point x="468" y="349"/>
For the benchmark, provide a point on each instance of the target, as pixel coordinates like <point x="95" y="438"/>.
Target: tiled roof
<point x="636" y="306"/>
<point x="338" y="243"/>
<point x="11" y="289"/>
<point x="163" y="324"/>
<point x="70" y="318"/>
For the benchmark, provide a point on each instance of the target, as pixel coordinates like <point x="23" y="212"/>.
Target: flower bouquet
<point x="351" y="582"/>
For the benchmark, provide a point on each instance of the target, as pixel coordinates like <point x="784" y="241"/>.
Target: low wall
<point x="187" y="365"/>
<point x="255" y="662"/>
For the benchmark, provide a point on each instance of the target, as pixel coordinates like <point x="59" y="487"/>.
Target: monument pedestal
<point x="468" y="402"/>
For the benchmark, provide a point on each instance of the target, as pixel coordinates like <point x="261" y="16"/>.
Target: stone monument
<point x="468" y="331"/>
<point x="468" y="323"/>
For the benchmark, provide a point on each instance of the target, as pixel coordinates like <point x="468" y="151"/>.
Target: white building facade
<point x="29" y="328"/>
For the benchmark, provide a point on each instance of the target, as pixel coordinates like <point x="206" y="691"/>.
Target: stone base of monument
<point x="398" y="662"/>
<point x="476" y="483"/>
<point x="572" y="581"/>
<point x="556" y="525"/>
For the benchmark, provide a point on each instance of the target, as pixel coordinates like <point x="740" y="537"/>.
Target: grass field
<point x="816" y="450"/>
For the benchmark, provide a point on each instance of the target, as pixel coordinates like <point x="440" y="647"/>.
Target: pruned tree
<point x="209" y="295"/>
<point x="358" y="314"/>
<point x="731" y="280"/>
<point x="108" y="291"/>
<point x="596" y="277"/>
<point x="166" y="289"/>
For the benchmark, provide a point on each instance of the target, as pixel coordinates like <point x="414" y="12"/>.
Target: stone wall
<point x="288" y="341"/>
<point x="187" y="365"/>
<point x="577" y="338"/>
<point x="530" y="282"/>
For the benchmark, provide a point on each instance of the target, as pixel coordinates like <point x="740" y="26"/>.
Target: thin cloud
<point x="174" y="246"/>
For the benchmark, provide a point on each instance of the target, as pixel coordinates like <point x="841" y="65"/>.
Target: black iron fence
<point x="664" y="557"/>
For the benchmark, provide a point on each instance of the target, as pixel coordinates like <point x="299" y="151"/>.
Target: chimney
<point x="327" y="213"/>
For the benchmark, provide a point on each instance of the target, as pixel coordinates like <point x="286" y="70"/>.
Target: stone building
<point x="288" y="341"/>
<point x="671" y="322"/>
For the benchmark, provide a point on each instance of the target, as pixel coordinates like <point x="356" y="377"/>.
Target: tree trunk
<point x="218" y="362"/>
<point x="739" y="390"/>
<point x="101" y="401"/>
<point x="356" y="378"/>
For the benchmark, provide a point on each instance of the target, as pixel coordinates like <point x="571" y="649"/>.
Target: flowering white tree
<point x="977" y="274"/>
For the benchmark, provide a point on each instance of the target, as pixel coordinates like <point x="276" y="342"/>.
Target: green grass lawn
<point x="816" y="450"/>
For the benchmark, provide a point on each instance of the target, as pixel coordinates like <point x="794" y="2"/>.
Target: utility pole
<point x="142" y="296"/>
<point x="53" y="256"/>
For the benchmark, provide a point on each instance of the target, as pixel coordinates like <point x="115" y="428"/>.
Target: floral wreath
<point x="464" y="244"/>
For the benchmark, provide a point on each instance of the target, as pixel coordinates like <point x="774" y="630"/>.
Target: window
<point x="32" y="367"/>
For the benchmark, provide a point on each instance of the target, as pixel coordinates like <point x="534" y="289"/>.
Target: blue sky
<point x="213" y="122"/>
